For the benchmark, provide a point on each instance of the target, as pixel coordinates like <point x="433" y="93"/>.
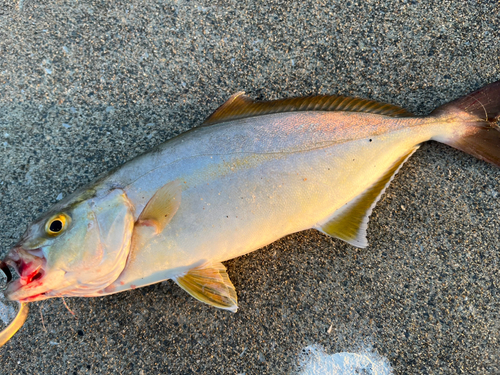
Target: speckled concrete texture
<point x="87" y="85"/>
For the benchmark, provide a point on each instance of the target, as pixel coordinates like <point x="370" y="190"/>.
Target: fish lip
<point x="35" y="297"/>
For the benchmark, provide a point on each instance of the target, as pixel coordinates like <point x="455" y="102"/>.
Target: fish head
<point x="76" y="249"/>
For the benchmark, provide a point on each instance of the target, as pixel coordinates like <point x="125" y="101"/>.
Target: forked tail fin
<point x="478" y="130"/>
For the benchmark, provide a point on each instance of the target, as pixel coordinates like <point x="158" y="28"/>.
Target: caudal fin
<point x="478" y="129"/>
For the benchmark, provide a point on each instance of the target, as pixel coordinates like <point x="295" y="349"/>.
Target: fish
<point x="252" y="173"/>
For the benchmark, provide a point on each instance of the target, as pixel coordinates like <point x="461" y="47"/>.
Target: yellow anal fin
<point x="162" y="207"/>
<point x="351" y="222"/>
<point x="241" y="106"/>
<point x="210" y="284"/>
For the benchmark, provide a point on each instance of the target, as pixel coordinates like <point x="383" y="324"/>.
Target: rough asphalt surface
<point x="87" y="85"/>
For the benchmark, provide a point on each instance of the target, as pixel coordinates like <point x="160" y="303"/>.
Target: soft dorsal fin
<point x="240" y="106"/>
<point x="209" y="283"/>
<point x="351" y="222"/>
<point x="162" y="206"/>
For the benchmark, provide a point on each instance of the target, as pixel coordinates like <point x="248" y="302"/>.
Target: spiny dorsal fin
<point x="210" y="284"/>
<point x="240" y="106"/>
<point x="162" y="207"/>
<point x="351" y="222"/>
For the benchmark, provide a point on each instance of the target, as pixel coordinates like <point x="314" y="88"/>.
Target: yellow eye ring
<point x="56" y="225"/>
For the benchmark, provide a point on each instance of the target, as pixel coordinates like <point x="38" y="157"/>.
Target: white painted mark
<point x="314" y="361"/>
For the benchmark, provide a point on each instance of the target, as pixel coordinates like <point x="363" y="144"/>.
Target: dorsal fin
<point x="241" y="106"/>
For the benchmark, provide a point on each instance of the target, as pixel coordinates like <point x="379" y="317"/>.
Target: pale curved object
<point x="14" y="326"/>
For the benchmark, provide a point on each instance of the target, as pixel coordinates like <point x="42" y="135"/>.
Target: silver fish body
<point x="249" y="182"/>
<point x="255" y="173"/>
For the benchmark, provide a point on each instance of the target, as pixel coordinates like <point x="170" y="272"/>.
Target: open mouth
<point x="6" y="270"/>
<point x="28" y="274"/>
<point x="29" y="266"/>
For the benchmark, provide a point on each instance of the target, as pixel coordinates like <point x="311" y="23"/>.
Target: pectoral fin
<point x="351" y="222"/>
<point x="162" y="207"/>
<point x="210" y="284"/>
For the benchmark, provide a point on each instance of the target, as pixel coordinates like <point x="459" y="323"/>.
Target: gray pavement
<point x="87" y="85"/>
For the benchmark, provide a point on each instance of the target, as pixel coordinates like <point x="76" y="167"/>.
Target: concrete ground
<point x="87" y="85"/>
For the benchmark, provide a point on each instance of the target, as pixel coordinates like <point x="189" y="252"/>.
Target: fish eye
<point x="56" y="225"/>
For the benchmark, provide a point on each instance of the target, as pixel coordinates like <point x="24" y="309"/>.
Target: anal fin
<point x="209" y="283"/>
<point x="350" y="222"/>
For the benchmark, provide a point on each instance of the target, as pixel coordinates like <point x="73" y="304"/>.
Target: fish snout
<point x="28" y="265"/>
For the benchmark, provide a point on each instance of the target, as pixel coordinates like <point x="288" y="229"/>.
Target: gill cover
<point x="93" y="250"/>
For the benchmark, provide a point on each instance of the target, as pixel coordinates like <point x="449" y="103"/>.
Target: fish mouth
<point x="30" y="267"/>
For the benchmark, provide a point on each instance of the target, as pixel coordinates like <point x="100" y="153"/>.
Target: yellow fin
<point x="240" y="106"/>
<point x="210" y="284"/>
<point x="351" y="222"/>
<point x="162" y="207"/>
